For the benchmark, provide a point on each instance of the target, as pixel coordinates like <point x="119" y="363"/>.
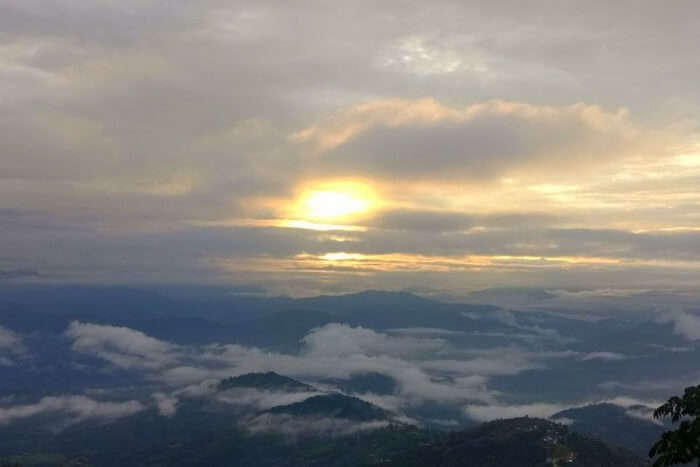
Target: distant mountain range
<point x="170" y="352"/>
<point x="206" y="433"/>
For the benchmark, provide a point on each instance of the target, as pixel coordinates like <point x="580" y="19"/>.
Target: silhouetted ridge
<point x="335" y="406"/>
<point x="270" y="381"/>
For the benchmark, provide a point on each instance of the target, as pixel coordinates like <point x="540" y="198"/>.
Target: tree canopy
<point x="682" y="445"/>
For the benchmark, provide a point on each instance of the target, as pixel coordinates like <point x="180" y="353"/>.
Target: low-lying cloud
<point x="684" y="322"/>
<point x="123" y="347"/>
<point x="298" y="426"/>
<point x="11" y="346"/>
<point x="76" y="407"/>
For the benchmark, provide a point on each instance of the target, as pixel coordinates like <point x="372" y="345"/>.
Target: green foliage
<point x="682" y="445"/>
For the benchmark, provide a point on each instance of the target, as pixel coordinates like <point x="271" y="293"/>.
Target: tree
<point x="682" y="445"/>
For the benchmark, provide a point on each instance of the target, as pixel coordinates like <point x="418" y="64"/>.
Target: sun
<point x="335" y="202"/>
<point x="330" y="204"/>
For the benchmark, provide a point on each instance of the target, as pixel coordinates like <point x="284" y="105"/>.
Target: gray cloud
<point x="400" y="138"/>
<point x="8" y="274"/>
<point x="77" y="407"/>
<point x="455" y="221"/>
<point x="121" y="346"/>
<point x="425" y="332"/>
<point x="166" y="404"/>
<point x="685" y="323"/>
<point x="299" y="426"/>
<point x="125" y="122"/>
<point x="604" y="356"/>
<point x="635" y="408"/>
<point x="11" y="347"/>
<point x="426" y="368"/>
<point x="332" y="351"/>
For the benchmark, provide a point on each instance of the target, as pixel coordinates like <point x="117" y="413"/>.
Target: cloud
<point x="77" y="407"/>
<point x="10" y="341"/>
<point x="435" y="221"/>
<point x="11" y="347"/>
<point x="425" y="138"/>
<point x="9" y="274"/>
<point x="303" y="426"/>
<point x="115" y="90"/>
<point x="331" y="351"/>
<point x="339" y="340"/>
<point x="605" y="356"/>
<point x="166" y="404"/>
<point x="123" y="347"/>
<point x="674" y="349"/>
<point x="509" y="318"/>
<point x="685" y="323"/>
<point x="424" y="220"/>
<point x="426" y="369"/>
<point x="656" y="387"/>
<point x="637" y="408"/>
<point x="427" y="332"/>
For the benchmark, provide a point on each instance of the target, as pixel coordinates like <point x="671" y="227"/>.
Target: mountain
<point x="620" y="426"/>
<point x="196" y="437"/>
<point x="383" y="310"/>
<point x="269" y="381"/>
<point x="519" y="442"/>
<point x="333" y="406"/>
<point x="281" y="330"/>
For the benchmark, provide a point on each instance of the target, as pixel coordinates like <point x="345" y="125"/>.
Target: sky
<point x="305" y="147"/>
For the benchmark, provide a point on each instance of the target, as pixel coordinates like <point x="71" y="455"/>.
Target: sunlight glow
<point x="335" y="201"/>
<point x="334" y="204"/>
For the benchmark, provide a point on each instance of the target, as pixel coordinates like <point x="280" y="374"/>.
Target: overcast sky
<point x="317" y="147"/>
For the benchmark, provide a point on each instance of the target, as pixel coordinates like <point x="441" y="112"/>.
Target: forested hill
<point x="519" y="442"/>
<point x="195" y="438"/>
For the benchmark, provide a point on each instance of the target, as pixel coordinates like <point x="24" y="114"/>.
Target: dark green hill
<point x="210" y="436"/>
<point x="269" y="381"/>
<point x="334" y="406"/>
<point x="519" y="442"/>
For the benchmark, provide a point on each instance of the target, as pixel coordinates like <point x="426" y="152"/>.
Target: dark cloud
<point x="453" y="221"/>
<point x="416" y="139"/>
<point x="7" y="274"/>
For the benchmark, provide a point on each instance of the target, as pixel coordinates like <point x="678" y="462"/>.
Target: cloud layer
<point x="425" y="366"/>
<point x="133" y="130"/>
